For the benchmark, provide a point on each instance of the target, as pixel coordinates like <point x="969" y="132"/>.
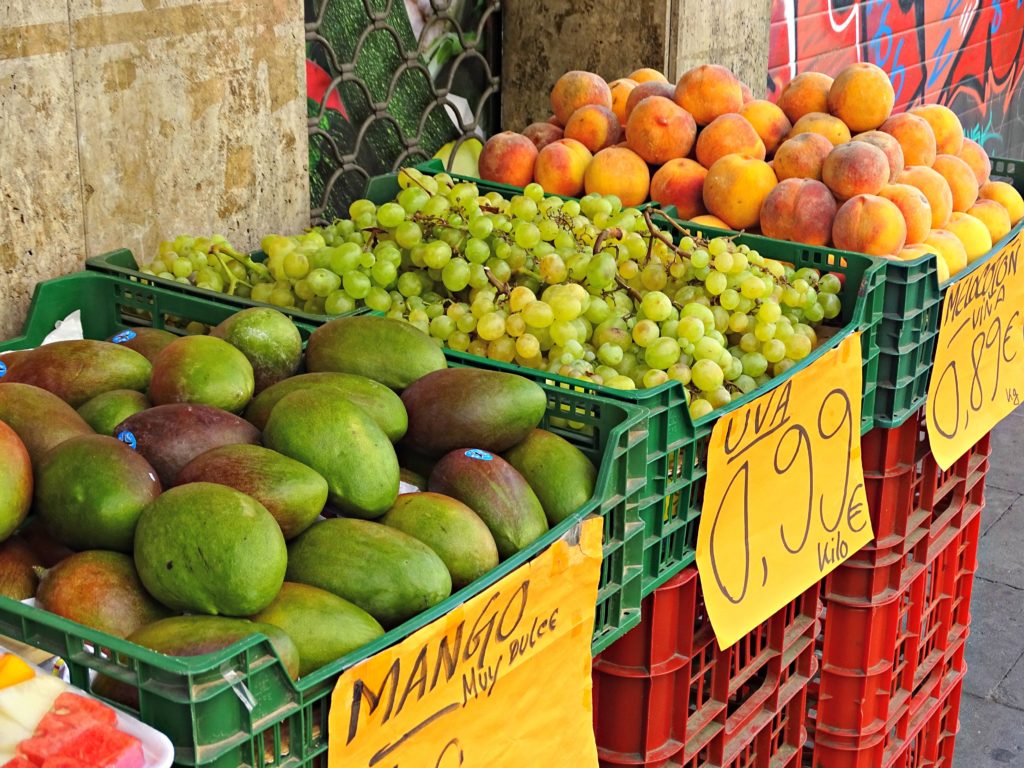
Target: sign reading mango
<point x="784" y="502"/>
<point x="504" y="679"/>
<point x="978" y="378"/>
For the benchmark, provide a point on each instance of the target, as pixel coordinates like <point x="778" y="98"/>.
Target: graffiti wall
<point x="966" y="54"/>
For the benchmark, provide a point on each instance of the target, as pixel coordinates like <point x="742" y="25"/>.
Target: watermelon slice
<point x="62" y="762"/>
<point x="73" y="712"/>
<point x="18" y="762"/>
<point x="106" y="747"/>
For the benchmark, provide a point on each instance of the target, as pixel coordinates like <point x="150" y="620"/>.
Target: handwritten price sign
<point x="784" y="502"/>
<point x="504" y="679"/>
<point x="978" y="378"/>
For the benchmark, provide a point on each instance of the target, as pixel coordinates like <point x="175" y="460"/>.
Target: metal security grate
<point x="389" y="83"/>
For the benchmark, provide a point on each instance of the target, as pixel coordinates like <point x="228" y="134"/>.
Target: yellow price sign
<point x="504" y="679"/>
<point x="784" y="502"/>
<point x="978" y="378"/>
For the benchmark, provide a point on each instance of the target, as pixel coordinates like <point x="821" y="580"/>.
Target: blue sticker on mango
<point x="476" y="453"/>
<point x="128" y="439"/>
<point x="3" y="369"/>
<point x="123" y="336"/>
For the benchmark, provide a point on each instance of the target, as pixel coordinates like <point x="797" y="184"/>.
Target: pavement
<point x="992" y="709"/>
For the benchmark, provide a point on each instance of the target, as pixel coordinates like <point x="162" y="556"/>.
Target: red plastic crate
<point x="666" y="692"/>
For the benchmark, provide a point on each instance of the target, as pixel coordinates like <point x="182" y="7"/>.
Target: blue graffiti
<point x="997" y="16"/>
<point x="941" y="61"/>
<point x="882" y="35"/>
<point x="984" y="135"/>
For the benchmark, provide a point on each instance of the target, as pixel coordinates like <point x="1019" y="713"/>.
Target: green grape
<point x="181" y="267"/>
<point x="707" y="375"/>
<point x="620" y="382"/>
<point x="303" y="291"/>
<point x="481" y="227"/>
<point x="455" y="275"/>
<point x="610" y="354"/>
<point x="700" y="259"/>
<point x="645" y="332"/>
<point x="409" y="285"/>
<point x="384" y="273"/>
<point x="519" y="297"/>
<point x="345" y="258"/>
<point x="769" y="312"/>
<point x="699" y="408"/>
<point x="708" y="348"/>
<point x="491" y="326"/>
<point x="565" y="306"/>
<point x="296" y="265"/>
<point x="654" y="378"/>
<point x="411" y="200"/>
<point x="390" y="215"/>
<point x="562" y="331"/>
<point x="523" y="208"/>
<point x="356" y="284"/>
<point x="814" y="313"/>
<point x="282" y="297"/>
<point x="478" y="251"/>
<point x="534" y="191"/>
<point x="718" y="397"/>
<point x="729" y="299"/>
<point x="552" y="269"/>
<point x="378" y="299"/>
<point x="653" y="277"/>
<point x="690" y="328"/>
<point x="680" y="372"/>
<point x="764" y="331"/>
<point x="527" y="346"/>
<point x="830" y="284"/>
<point x="798" y="346"/>
<point x="754" y="364"/>
<point x="503" y="349"/>
<point x="739" y="322"/>
<point x="656" y="306"/>
<point x="662" y="353"/>
<point x="701" y="312"/>
<point x="515" y="326"/>
<point x="466" y="322"/>
<point x="261" y="292"/>
<point x="830" y="305"/>
<point x="442" y="327"/>
<point x="436" y="254"/>
<point x="773" y="350"/>
<point x="500" y="269"/>
<point x="791" y="297"/>
<point x="745" y="384"/>
<point x="408" y="234"/>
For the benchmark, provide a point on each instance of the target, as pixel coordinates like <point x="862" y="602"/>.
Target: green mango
<point x="268" y="339"/>
<point x="16" y="484"/>
<point x="41" y="419"/>
<point x="108" y="409"/>
<point x="558" y="472"/>
<point x="202" y="370"/>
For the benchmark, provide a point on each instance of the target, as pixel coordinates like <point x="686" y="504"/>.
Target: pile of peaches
<point x="828" y="164"/>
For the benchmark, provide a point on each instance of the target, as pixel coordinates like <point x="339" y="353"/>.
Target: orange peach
<point x="768" y="120"/>
<point x="862" y="96"/>
<point x="508" y="158"/>
<point x="801" y="157"/>
<point x="935" y="188"/>
<point x="708" y="91"/>
<point x="962" y="182"/>
<point x="949" y="249"/>
<point x="1006" y="196"/>
<point x="680" y="182"/>
<point x="594" y="127"/>
<point x="855" y="168"/>
<point x="832" y="128"/>
<point x="561" y="167"/>
<point x="645" y="91"/>
<point x="994" y="217"/>
<point x="620" y="94"/>
<point x="577" y="89"/>
<point x="916" y="138"/>
<point x="949" y="133"/>
<point x="800" y="210"/>
<point x="916" y="210"/>
<point x="805" y="93"/>
<point x="972" y="233"/>
<point x="727" y="135"/>
<point x="542" y="134"/>
<point x="889" y="145"/>
<point x="972" y="154"/>
<point x="646" y="75"/>
<point x="735" y="189"/>
<point x="748" y="95"/>
<point x="707" y="220"/>
<point x="621" y="172"/>
<point x="660" y="130"/>
<point x="911" y="252"/>
<point x="869" y="224"/>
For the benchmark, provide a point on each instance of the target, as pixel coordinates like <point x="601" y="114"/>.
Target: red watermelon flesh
<point x="73" y="712"/>
<point x="106" y="747"/>
<point x="18" y="762"/>
<point x="62" y="762"/>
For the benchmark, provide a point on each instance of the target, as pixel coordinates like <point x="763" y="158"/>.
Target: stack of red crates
<point x="897" y="614"/>
<point x="666" y="695"/>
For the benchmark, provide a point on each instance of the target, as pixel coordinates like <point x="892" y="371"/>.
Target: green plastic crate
<point x="238" y="706"/>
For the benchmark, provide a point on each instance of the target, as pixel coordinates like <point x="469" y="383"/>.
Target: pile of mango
<point x="186" y="492"/>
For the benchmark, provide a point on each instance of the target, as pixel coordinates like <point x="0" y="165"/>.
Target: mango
<point x="77" y="371"/>
<point x="380" y="348"/>
<point x="146" y="341"/>
<point x="292" y="492"/>
<point x="327" y="432"/>
<point x="471" y="408"/>
<point x="380" y="403"/>
<point x="495" y="490"/>
<point x="323" y="626"/>
<point x="91" y="490"/>
<point x="41" y="419"/>
<point x="18" y="561"/>
<point x="107" y="410"/>
<point x="202" y="370"/>
<point x="170" y="436"/>
<point x="389" y="574"/>
<point x="450" y="528"/>
<point x="416" y="480"/>
<point x="16" y="483"/>
<point x="268" y="339"/>
<point x="48" y="550"/>
<point x="207" y="548"/>
<point x="101" y="590"/>
<point x="558" y="472"/>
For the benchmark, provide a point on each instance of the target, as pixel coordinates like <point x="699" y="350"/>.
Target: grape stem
<point x="502" y="287"/>
<point x="615" y="232"/>
<point x="655" y="232"/>
<point x="232" y="280"/>
<point x="633" y="292"/>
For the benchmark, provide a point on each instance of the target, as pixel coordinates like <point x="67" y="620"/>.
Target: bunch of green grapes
<point x="206" y="262"/>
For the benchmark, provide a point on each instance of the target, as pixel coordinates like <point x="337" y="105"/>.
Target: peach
<point x="994" y="217"/>
<point x="727" y="135"/>
<point x="735" y="189"/>
<point x="660" y="130"/>
<point x="961" y="179"/>
<point x="542" y="134"/>
<point x="889" y="145"/>
<point x="832" y="128"/>
<point x="1006" y="196"/>
<point x="973" y="154"/>
<point x="805" y="93"/>
<point x="768" y="120"/>
<point x="862" y="96"/>
<point x="680" y="182"/>
<point x="869" y="224"/>
<point x="620" y="94"/>
<point x="645" y="91"/>
<point x="949" y="133"/>
<point x="748" y="95"/>
<point x="621" y="172"/>
<point x="950" y="251"/>
<point x="555" y="121"/>
<point x="855" y="168"/>
<point x="707" y="220"/>
<point x="508" y="158"/>
<point x="708" y="91"/>
<point x="916" y="210"/>
<point x="801" y="157"/>
<point x="800" y="210"/>
<point x="594" y="127"/>
<point x="561" y="167"/>
<point x="646" y="75"/>
<point x="935" y="188"/>
<point x="972" y="233"/>
<point x="577" y="89"/>
<point x="916" y="138"/>
<point x="910" y="252"/>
